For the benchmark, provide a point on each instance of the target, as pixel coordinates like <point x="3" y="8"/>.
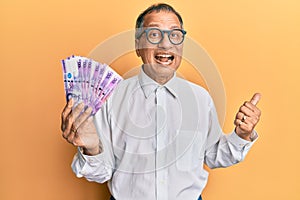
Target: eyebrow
<point x="156" y="25"/>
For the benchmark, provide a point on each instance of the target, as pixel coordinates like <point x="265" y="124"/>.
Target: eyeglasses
<point x="155" y="35"/>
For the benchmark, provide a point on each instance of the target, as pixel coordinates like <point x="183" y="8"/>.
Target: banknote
<point x="72" y="79"/>
<point x="106" y="92"/>
<point x="94" y="79"/>
<point x="88" y="81"/>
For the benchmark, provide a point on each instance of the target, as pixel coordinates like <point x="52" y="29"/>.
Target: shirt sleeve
<point x="98" y="168"/>
<point x="93" y="168"/>
<point x="223" y="150"/>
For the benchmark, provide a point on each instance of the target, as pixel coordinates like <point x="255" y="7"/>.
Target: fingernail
<point x="70" y="102"/>
<point x="89" y="109"/>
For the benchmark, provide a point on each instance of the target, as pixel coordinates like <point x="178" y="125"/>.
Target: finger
<point x="250" y="120"/>
<point x="87" y="126"/>
<point x="244" y="120"/>
<point x="71" y="136"/>
<point x="77" y="110"/>
<point x="240" y="116"/>
<point x="246" y="111"/>
<point x="256" y="111"/>
<point x="66" y="111"/>
<point x="68" y="122"/>
<point x="83" y="117"/>
<point x="255" y="99"/>
<point x="238" y="122"/>
<point x="88" y="121"/>
<point x="68" y="126"/>
<point x="246" y="128"/>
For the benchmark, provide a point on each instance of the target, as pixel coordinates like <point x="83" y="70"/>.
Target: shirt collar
<point x="148" y="85"/>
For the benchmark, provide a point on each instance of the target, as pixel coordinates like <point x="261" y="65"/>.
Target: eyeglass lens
<point x="155" y="36"/>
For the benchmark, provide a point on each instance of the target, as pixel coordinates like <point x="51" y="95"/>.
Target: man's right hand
<point x="78" y="128"/>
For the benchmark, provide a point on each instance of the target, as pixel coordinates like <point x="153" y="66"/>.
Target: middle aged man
<point x="153" y="135"/>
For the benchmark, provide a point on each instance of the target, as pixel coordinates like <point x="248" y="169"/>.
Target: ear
<point x="137" y="48"/>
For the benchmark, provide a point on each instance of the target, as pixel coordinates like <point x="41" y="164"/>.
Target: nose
<point x="165" y="43"/>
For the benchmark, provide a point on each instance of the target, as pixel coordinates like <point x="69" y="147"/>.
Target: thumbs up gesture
<point x="247" y="118"/>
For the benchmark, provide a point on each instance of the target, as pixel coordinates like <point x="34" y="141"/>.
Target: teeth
<point x="165" y="59"/>
<point x="164" y="55"/>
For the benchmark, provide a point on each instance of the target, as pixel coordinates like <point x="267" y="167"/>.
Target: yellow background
<point x="255" y="45"/>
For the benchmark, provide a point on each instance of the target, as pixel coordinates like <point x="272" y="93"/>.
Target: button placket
<point x="161" y="141"/>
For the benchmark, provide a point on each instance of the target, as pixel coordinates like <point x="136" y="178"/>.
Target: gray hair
<point x="157" y="8"/>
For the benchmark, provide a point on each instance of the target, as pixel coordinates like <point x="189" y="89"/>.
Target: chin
<point x="165" y="71"/>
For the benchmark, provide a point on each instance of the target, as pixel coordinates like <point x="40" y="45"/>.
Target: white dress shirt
<point x="155" y="140"/>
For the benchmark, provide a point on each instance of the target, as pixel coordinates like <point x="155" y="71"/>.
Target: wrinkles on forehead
<point x="162" y="19"/>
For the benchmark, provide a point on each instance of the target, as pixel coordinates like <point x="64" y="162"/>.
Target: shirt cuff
<point x="93" y="168"/>
<point x="239" y="142"/>
<point x="83" y="159"/>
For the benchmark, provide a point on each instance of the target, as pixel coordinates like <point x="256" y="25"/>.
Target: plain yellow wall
<point x="255" y="44"/>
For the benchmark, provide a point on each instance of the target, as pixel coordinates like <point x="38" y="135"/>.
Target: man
<point x="153" y="135"/>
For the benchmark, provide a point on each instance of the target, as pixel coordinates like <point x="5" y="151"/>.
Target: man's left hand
<point x="247" y="118"/>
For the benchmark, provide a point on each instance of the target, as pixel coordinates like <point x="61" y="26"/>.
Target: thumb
<point x="255" y="99"/>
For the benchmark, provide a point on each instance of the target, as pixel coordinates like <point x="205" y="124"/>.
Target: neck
<point x="162" y="80"/>
<point x="159" y="78"/>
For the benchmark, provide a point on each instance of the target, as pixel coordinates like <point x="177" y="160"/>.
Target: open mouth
<point x="165" y="59"/>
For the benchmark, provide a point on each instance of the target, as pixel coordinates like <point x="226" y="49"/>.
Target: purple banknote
<point x="88" y="81"/>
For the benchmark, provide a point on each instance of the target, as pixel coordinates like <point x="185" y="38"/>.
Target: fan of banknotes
<point x="88" y="81"/>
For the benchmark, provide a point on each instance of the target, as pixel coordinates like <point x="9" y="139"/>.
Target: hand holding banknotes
<point x="88" y="84"/>
<point x="78" y="128"/>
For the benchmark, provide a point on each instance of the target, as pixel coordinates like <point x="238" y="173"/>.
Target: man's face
<point x="163" y="59"/>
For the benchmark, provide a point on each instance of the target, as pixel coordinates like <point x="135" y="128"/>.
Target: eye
<point x="154" y="34"/>
<point x="176" y="34"/>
